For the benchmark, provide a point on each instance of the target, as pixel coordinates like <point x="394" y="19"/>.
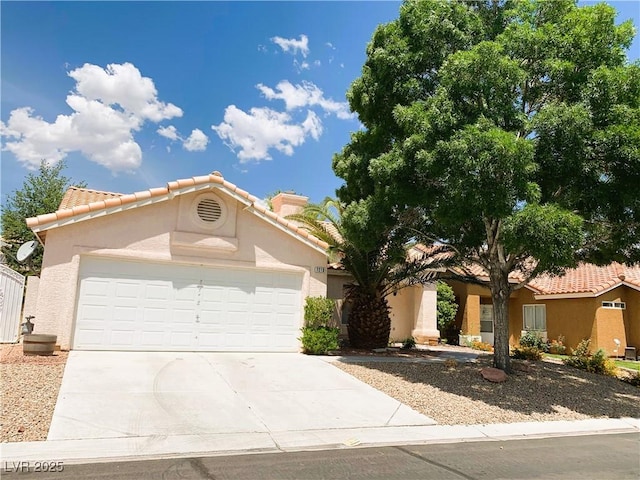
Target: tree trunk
<point x="369" y="321"/>
<point x="500" y="292"/>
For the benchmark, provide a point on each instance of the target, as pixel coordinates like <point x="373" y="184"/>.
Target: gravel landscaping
<point x="458" y="395"/>
<point x="451" y="393"/>
<point x="30" y="385"/>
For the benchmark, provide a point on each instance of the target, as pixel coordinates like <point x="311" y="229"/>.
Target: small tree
<point x="41" y="193"/>
<point x="375" y="253"/>
<point x="447" y="309"/>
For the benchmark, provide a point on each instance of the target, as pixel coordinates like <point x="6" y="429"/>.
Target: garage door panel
<point x="144" y="306"/>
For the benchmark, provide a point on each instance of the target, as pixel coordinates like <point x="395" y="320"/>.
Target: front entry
<point x="486" y="323"/>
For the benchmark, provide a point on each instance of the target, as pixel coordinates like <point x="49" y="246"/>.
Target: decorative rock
<point x="493" y="375"/>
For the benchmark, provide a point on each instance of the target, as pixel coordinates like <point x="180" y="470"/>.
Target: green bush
<point x="318" y="312"/>
<point x="596" y="363"/>
<point x="534" y="340"/>
<point x="527" y="353"/>
<point x="446" y="312"/>
<point x="409" y="343"/>
<point x="319" y="340"/>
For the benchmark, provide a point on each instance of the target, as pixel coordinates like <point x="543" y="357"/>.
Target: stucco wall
<point x="403" y="312"/>
<point x="632" y="317"/>
<point x="411" y="308"/>
<point x="145" y="233"/>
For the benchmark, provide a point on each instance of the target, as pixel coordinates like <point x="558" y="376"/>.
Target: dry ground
<point x="459" y="395"/>
<point x="449" y="395"/>
<point x="30" y="385"/>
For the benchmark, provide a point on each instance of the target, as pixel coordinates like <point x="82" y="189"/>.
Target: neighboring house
<point x="601" y="303"/>
<point x="198" y="265"/>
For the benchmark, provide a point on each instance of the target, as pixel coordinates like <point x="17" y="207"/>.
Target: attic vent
<point x="209" y="210"/>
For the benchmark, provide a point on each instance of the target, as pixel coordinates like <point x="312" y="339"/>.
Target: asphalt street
<point x="614" y="456"/>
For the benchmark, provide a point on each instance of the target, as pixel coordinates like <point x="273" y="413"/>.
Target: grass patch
<point x="630" y="364"/>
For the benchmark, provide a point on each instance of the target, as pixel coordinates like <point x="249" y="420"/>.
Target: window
<point x="535" y="317"/>
<point x="618" y="305"/>
<point x="486" y="318"/>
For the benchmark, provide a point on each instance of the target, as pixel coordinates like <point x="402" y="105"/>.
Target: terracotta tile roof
<point x="80" y="201"/>
<point x="76" y="196"/>
<point x="588" y="278"/>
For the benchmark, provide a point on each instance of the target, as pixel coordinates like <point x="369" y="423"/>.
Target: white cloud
<point x="260" y="130"/>
<point x="125" y="86"/>
<point x="300" y="66"/>
<point x="292" y="45"/>
<point x="306" y="94"/>
<point x="330" y="45"/>
<point x="169" y="132"/>
<point x="317" y="63"/>
<point x="108" y="105"/>
<point x="312" y="125"/>
<point x="197" y="141"/>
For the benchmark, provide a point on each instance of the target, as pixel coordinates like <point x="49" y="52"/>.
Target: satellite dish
<point x="616" y="341"/>
<point x="26" y="250"/>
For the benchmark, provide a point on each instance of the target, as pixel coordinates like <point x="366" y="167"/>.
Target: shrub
<point x="409" y="343"/>
<point x="319" y="340"/>
<point x="446" y="311"/>
<point x="534" y="340"/>
<point x="318" y="334"/>
<point x="527" y="353"/>
<point x="596" y="363"/>
<point x="318" y="311"/>
<point x="486" y="347"/>
<point x="557" y="346"/>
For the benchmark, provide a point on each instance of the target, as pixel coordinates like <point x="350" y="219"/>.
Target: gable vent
<point x="209" y="210"/>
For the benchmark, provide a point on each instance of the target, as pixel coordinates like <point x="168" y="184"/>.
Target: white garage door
<point x="146" y="306"/>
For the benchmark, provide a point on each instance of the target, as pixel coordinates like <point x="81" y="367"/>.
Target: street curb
<point x="158" y="447"/>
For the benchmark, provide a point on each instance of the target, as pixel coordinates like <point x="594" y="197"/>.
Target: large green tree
<point x="510" y="130"/>
<point x="375" y="252"/>
<point x="41" y="193"/>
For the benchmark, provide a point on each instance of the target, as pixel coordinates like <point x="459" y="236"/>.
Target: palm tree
<point x="380" y="265"/>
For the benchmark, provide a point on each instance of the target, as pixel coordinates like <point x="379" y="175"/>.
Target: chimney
<point x="288" y="203"/>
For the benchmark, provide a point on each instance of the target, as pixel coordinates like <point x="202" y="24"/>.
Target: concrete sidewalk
<point x="149" y="447"/>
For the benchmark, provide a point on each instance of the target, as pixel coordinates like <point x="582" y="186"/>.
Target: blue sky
<point x="134" y="95"/>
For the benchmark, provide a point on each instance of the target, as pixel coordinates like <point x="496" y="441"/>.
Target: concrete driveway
<point x="117" y="394"/>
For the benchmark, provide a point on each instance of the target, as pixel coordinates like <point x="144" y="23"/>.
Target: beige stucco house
<point x="197" y="265"/>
